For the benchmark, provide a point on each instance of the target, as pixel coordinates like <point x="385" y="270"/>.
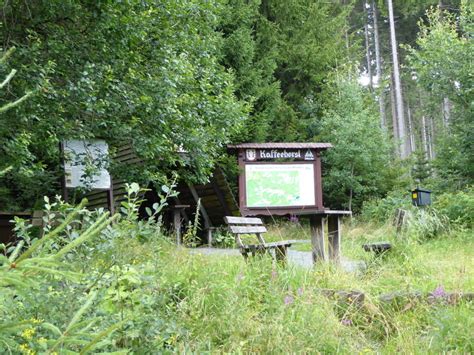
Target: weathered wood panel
<point x="248" y="229"/>
<point x="242" y="220"/>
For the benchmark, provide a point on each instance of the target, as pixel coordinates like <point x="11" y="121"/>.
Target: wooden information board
<point x="279" y="178"/>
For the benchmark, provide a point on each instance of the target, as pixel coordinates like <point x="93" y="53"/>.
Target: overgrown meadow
<point x="100" y="284"/>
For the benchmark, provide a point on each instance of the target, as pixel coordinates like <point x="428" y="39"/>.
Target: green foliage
<point x="449" y="210"/>
<point x="356" y="169"/>
<point x="190" y="238"/>
<point x="137" y="72"/>
<point x="91" y="284"/>
<point x="443" y="67"/>
<point x="458" y="207"/>
<point x="383" y="210"/>
<point x="222" y="238"/>
<point x="281" y="53"/>
<point x="425" y="223"/>
<point x="29" y="275"/>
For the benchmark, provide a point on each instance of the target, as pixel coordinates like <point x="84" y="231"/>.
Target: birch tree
<point x="400" y="118"/>
<point x="378" y="67"/>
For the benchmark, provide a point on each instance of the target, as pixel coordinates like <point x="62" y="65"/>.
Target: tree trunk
<point x="367" y="56"/>
<point x="394" y="117"/>
<point x="432" y="138"/>
<point x="446" y="105"/>
<point x="424" y="137"/>
<point x="411" y="130"/>
<point x="378" y="68"/>
<point x="398" y="86"/>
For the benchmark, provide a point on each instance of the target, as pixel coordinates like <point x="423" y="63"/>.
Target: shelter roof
<point x="292" y="145"/>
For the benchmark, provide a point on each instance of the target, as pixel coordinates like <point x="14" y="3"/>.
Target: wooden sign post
<point x="286" y="179"/>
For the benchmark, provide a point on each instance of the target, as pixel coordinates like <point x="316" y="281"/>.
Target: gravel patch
<point x="299" y="258"/>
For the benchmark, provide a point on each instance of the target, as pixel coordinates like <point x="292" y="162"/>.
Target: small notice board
<point x="85" y="165"/>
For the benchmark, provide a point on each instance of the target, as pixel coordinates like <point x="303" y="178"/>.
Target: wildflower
<point x="28" y="333"/>
<point x="439" y="292"/>
<point x="26" y="350"/>
<point x="288" y="300"/>
<point x="299" y="291"/>
<point x="345" y="321"/>
<point x="42" y="340"/>
<point x="294" y="219"/>
<point x="24" y="347"/>
<point x="36" y="320"/>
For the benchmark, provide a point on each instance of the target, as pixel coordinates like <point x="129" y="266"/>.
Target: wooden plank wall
<point x="216" y="196"/>
<point x="210" y="198"/>
<point x="98" y="199"/>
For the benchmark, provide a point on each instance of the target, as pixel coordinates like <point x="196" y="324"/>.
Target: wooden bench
<point x="254" y="226"/>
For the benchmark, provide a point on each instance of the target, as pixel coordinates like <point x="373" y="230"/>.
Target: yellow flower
<point x="26" y="350"/>
<point x="28" y="333"/>
<point x="42" y="340"/>
<point x="24" y="347"/>
<point x="36" y="320"/>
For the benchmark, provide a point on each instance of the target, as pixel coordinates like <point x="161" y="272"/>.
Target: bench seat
<point x="254" y="226"/>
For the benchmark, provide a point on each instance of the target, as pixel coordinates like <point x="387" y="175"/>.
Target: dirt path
<point x="295" y="257"/>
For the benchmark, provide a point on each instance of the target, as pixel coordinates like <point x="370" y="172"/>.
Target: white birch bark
<point x="393" y="105"/>
<point x="424" y="138"/>
<point x="398" y="86"/>
<point x="446" y="105"/>
<point x="432" y="138"/>
<point x="378" y="68"/>
<point x="411" y="130"/>
<point x="367" y="57"/>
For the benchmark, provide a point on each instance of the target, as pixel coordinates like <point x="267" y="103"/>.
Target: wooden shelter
<point x="216" y="198"/>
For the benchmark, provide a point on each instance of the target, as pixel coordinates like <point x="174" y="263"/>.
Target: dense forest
<point x="390" y="85"/>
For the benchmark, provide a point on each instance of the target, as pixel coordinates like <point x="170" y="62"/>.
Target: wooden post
<point x="318" y="185"/>
<point x="334" y="237"/>
<point x="210" y="230"/>
<point x="110" y="197"/>
<point x="177" y="224"/>
<point x="317" y="237"/>
<point x="242" y="188"/>
<point x="177" y="211"/>
<point x="63" y="177"/>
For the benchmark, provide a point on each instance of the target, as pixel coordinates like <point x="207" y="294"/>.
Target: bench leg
<point x="334" y="237"/>
<point x="317" y="238"/>
<point x="280" y="254"/>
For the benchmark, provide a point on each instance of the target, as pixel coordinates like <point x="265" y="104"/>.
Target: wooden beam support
<point x="334" y="237"/>
<point x="220" y="196"/>
<point x="205" y="216"/>
<point x="317" y="238"/>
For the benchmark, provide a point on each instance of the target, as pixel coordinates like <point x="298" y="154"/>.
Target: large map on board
<point x="279" y="185"/>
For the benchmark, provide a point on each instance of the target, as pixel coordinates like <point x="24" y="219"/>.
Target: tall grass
<point x="128" y="289"/>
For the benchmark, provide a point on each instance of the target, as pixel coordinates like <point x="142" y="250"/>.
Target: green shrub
<point x="458" y="207"/>
<point x="423" y="223"/>
<point x="383" y="210"/>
